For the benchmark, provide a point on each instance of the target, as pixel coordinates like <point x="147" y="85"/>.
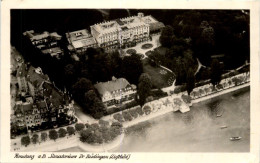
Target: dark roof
<point x="54" y="95"/>
<point x="25" y="109"/>
<point x="111" y="86"/>
<point x="41" y="104"/>
<point x="35" y="78"/>
<point x="119" y="22"/>
<point x="156" y="26"/>
<point x="21" y="72"/>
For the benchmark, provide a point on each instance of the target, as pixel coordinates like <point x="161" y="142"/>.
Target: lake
<point x="196" y="131"/>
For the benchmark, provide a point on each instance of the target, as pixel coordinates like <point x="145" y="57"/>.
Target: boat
<point x="222" y="127"/>
<point x="235" y="138"/>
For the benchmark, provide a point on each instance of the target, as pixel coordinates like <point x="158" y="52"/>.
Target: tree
<point x="144" y="87"/>
<point x="132" y="68"/>
<point x="53" y="134"/>
<point x="43" y="136"/>
<point x="25" y="140"/>
<point x="190" y="80"/>
<point x="79" y="126"/>
<point x="35" y="138"/>
<point x="70" y="130"/>
<point x="166" y="36"/>
<point x="216" y="72"/>
<point x="87" y="136"/>
<point x="94" y="105"/>
<point x="62" y="132"/>
<point x="80" y="88"/>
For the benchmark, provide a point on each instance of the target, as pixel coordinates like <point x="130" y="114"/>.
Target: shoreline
<point x="74" y="141"/>
<point x="141" y="119"/>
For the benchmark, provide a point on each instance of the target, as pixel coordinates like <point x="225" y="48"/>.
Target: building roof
<point x="78" y="35"/>
<point x="118" y="24"/>
<point x="84" y="42"/>
<point x="156" y="25"/>
<point x="41" y="104"/>
<point x="111" y="86"/>
<point x="53" y="50"/>
<point x="54" y="95"/>
<point x="21" y="72"/>
<point x="36" y="78"/>
<point x="36" y="36"/>
<point x="27" y="107"/>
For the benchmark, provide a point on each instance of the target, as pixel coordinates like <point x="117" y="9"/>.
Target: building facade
<point x="116" y="91"/>
<point x="80" y="40"/>
<point x="124" y="32"/>
<point x="47" y="42"/>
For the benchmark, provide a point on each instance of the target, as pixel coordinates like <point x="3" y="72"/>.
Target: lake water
<point x="196" y="131"/>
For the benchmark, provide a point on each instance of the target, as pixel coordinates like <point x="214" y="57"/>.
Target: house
<point x="47" y="42"/>
<point x="124" y="32"/>
<point x="80" y="40"/>
<point x="21" y="78"/>
<point x="116" y="91"/>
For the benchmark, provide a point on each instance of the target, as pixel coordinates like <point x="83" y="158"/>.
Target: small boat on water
<point x="222" y="127"/>
<point x="235" y="138"/>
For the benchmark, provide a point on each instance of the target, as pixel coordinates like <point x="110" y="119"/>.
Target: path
<point x="199" y="66"/>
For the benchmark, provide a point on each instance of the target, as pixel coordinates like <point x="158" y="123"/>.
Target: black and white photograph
<point x="130" y="80"/>
<point x="127" y="81"/>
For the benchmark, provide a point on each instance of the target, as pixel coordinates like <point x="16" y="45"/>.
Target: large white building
<point x="124" y="32"/>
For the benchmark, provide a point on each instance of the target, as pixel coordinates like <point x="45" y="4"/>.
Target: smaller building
<point x="80" y="40"/>
<point x="47" y="42"/>
<point x="116" y="91"/>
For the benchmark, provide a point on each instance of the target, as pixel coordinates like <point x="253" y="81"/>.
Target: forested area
<point x="189" y="34"/>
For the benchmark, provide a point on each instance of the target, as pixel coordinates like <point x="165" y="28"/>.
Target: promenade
<point x="73" y="141"/>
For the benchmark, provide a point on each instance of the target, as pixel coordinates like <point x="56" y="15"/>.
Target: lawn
<point x="159" y="76"/>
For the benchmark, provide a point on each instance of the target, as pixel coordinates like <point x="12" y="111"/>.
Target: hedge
<point x="133" y="113"/>
<point x="139" y="110"/>
<point x="147" y="110"/>
<point x="118" y="117"/>
<point x="127" y="116"/>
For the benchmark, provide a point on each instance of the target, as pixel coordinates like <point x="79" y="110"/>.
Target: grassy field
<point x="159" y="76"/>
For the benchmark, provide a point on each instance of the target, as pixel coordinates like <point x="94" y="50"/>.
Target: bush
<point x="131" y="51"/>
<point x="107" y="136"/>
<point x="25" y="140"/>
<point x="103" y="123"/>
<point x="35" y="138"/>
<point x="118" y="117"/>
<point x="147" y="109"/>
<point x="139" y="110"/>
<point x="127" y="116"/>
<point x="62" y="132"/>
<point x="116" y="124"/>
<point x="53" y="134"/>
<point x="122" y="107"/>
<point x="133" y="113"/>
<point x="186" y="99"/>
<point x="94" y="127"/>
<point x="158" y="94"/>
<point x="86" y="136"/>
<point x="70" y="130"/>
<point x="147" y="46"/>
<point x="43" y="136"/>
<point x="79" y="126"/>
<point x="148" y="99"/>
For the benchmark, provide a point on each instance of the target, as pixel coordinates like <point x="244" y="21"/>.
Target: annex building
<point x="116" y="91"/>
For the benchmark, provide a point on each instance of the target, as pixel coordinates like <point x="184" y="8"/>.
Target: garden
<point x="131" y="51"/>
<point x="159" y="76"/>
<point x="147" y="46"/>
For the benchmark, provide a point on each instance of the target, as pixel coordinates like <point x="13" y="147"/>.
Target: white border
<point x="253" y="156"/>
